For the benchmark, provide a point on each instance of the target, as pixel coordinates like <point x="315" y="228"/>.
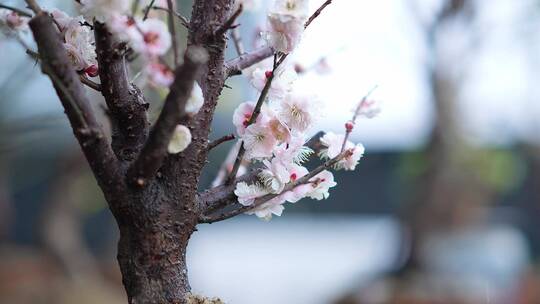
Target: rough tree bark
<point x="152" y="194"/>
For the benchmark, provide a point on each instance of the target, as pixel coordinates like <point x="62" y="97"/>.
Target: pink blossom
<point x="285" y="32"/>
<point x="154" y="38"/>
<point x="299" y="111"/>
<point x="258" y="141"/>
<point x="281" y="84"/>
<point x="11" y="22"/>
<point x="286" y="21"/>
<point x="159" y="75"/>
<point x="243" y="113"/>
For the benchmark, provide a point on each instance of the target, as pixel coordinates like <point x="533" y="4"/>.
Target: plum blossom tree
<point x="149" y="172"/>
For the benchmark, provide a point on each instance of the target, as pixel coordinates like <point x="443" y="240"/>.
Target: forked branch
<point x="174" y="111"/>
<point x="56" y="64"/>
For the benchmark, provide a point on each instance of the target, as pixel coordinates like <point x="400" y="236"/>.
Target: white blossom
<point x="333" y="144"/>
<point x="281" y="84"/>
<point x="286" y="21"/>
<point x="292" y="8"/>
<point x="180" y="140"/>
<point x="81" y="39"/>
<point x="321" y="184"/>
<point x="75" y="56"/>
<point x="248" y="193"/>
<point x="272" y="207"/>
<point x="299" y="111"/>
<point x="258" y="141"/>
<point x="195" y="101"/>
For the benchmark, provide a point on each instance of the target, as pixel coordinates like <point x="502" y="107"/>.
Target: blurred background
<point x="443" y="208"/>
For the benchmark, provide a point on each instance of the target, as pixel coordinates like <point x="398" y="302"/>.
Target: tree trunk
<point x="152" y="247"/>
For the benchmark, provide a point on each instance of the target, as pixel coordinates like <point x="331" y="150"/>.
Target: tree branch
<point x="125" y="101"/>
<point x="237" y="41"/>
<point x="252" y="119"/>
<point x="230" y="22"/>
<point x="220" y="140"/>
<point x="317" y="12"/>
<point x="155" y="149"/>
<point x="16" y="10"/>
<point x="89" y="83"/>
<point x="183" y="20"/>
<point x="236" y="65"/>
<point x="355" y="116"/>
<point x="147" y="10"/>
<point x="96" y="148"/>
<point x="263" y="199"/>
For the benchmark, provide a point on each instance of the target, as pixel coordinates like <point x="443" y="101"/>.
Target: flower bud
<point x="92" y="70"/>
<point x="349" y="125"/>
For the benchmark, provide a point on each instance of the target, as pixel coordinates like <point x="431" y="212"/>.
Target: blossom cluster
<point x="149" y="37"/>
<point x="286" y="22"/>
<point x="78" y="41"/>
<point x="276" y="137"/>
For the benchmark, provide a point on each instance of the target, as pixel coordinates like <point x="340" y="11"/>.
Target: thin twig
<point x="236" y="65"/>
<point x="89" y="83"/>
<point x="172" y="30"/>
<point x="355" y="115"/>
<point x="317" y="13"/>
<point x="230" y="22"/>
<point x="252" y="119"/>
<point x="220" y="140"/>
<point x="237" y="41"/>
<point x="263" y="199"/>
<point x="183" y="20"/>
<point x="16" y="10"/>
<point x="147" y="10"/>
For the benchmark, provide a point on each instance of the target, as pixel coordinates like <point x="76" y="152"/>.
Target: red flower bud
<point x="268" y="74"/>
<point x="92" y="70"/>
<point x="349" y="126"/>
